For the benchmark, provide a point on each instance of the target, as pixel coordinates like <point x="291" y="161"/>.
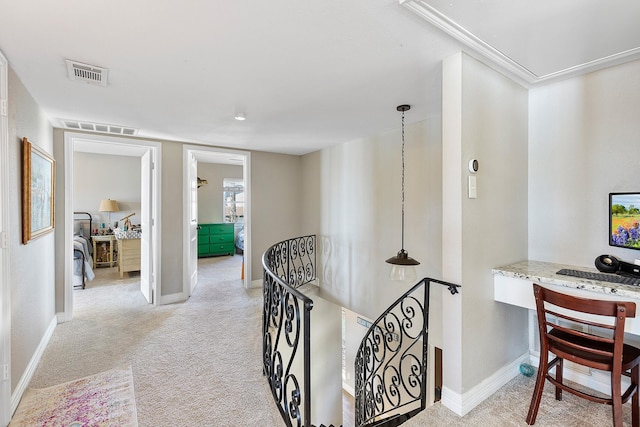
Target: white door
<point x="193" y="222"/>
<point x="146" y="214"/>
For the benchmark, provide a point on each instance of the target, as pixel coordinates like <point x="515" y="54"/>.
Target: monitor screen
<point x="624" y="216"/>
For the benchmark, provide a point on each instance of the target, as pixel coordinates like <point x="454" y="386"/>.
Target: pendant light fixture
<point x="402" y="265"/>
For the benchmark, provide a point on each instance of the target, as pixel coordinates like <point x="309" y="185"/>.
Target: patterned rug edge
<point x="105" y="399"/>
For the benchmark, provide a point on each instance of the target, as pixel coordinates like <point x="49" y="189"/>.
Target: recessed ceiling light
<point x="240" y="116"/>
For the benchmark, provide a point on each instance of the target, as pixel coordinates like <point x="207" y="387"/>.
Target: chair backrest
<point x="549" y="317"/>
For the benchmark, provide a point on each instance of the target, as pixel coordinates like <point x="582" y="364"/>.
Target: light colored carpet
<point x="196" y="363"/>
<point x="509" y="406"/>
<point x="102" y="400"/>
<point x="199" y="364"/>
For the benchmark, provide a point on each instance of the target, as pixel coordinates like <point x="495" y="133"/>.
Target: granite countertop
<point x="545" y="272"/>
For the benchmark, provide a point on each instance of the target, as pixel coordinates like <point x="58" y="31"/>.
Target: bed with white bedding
<point x="82" y="250"/>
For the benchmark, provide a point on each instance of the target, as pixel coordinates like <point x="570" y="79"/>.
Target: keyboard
<point x="603" y="277"/>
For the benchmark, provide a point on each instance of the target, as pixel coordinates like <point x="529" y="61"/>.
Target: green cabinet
<point x="215" y="239"/>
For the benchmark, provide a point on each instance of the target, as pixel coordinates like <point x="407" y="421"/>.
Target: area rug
<point x="102" y="400"/>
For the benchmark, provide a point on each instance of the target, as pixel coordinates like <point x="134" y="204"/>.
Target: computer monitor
<point x="624" y="220"/>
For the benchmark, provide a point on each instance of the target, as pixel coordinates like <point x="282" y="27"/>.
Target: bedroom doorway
<point x="212" y="164"/>
<point x="148" y="154"/>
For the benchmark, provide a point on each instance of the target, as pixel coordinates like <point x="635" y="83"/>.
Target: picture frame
<point x="38" y="192"/>
<point x="624" y="220"/>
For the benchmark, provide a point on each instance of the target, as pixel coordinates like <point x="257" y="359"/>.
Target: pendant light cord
<point x="402" y="258"/>
<point x="402" y="246"/>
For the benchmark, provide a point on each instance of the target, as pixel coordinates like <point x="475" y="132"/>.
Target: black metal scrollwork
<point x="286" y="328"/>
<point x="391" y="371"/>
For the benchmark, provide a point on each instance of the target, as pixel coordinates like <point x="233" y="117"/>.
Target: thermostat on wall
<point x="473" y="165"/>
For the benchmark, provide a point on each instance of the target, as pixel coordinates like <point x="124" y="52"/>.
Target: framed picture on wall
<point x="38" y="192"/>
<point x="624" y="220"/>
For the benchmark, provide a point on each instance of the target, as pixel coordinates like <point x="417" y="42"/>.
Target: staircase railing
<point x="391" y="363"/>
<point x="286" y="326"/>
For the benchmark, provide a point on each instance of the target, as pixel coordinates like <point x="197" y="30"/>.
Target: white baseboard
<point x="594" y="379"/>
<point x="255" y="284"/>
<point x="461" y="404"/>
<point x="33" y="364"/>
<point x="173" y="298"/>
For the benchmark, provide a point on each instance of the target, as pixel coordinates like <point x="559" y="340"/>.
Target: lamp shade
<point x="403" y="267"/>
<point x="109" y="205"/>
<point x="403" y="273"/>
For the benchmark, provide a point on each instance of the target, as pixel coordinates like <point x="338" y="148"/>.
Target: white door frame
<point x="190" y="203"/>
<point x="206" y="154"/>
<point x="147" y="165"/>
<point x="124" y="146"/>
<point x="5" y="294"/>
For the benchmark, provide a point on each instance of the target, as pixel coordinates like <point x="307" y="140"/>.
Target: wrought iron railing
<point x="293" y="260"/>
<point x="286" y="326"/>
<point x="391" y="363"/>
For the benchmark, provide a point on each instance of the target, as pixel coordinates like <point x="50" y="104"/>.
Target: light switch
<point x="473" y="188"/>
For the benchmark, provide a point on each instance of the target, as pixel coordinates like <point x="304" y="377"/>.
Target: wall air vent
<point x="98" y="127"/>
<point x="87" y="73"/>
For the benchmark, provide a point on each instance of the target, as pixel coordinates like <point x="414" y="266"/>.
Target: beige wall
<point x="172" y="220"/>
<point x="484" y="117"/>
<point x="32" y="266"/>
<point x="352" y="200"/>
<point x="276" y="190"/>
<point x="275" y="194"/>
<point x="104" y="176"/>
<point x="210" y="195"/>
<point x="583" y="145"/>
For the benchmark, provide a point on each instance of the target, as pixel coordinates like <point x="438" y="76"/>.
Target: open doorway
<point x="147" y="154"/>
<point x="218" y="211"/>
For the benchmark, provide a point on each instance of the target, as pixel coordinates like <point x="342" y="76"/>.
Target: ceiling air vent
<point x="87" y="73"/>
<point x="98" y="127"/>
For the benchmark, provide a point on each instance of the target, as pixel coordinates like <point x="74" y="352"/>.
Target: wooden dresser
<point x="128" y="255"/>
<point x="215" y="239"/>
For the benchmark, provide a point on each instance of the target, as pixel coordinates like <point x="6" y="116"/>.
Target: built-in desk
<point x="513" y="284"/>
<point x="545" y="272"/>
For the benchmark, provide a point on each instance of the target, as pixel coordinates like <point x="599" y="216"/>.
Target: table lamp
<point x="109" y="205"/>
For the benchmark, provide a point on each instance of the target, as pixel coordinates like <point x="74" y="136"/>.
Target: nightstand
<point x="103" y="250"/>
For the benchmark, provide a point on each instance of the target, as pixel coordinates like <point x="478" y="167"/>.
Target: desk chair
<point x="597" y="352"/>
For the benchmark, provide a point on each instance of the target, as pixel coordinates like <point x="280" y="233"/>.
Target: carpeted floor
<point x="194" y="364"/>
<point x="198" y="363"/>
<point x="509" y="406"/>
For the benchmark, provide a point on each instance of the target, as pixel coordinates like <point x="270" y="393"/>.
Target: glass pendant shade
<point x="402" y="273"/>
<point x="403" y="267"/>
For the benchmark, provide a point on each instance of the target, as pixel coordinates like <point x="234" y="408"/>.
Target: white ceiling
<point x="307" y="74"/>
